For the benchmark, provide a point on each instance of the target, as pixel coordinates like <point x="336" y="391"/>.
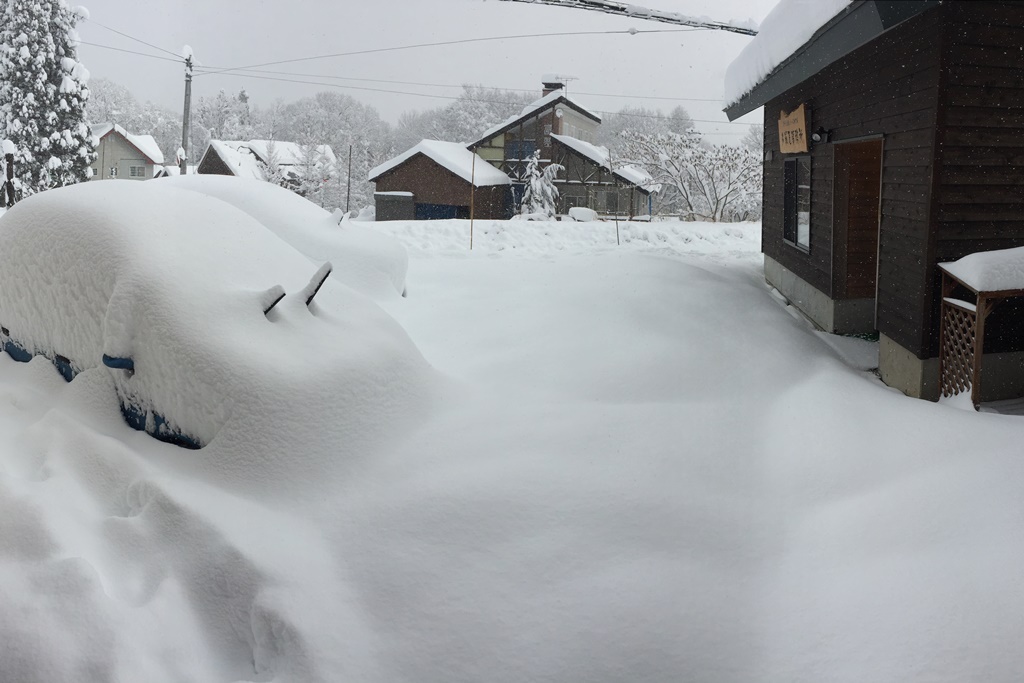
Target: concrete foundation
<point x="901" y="369"/>
<point x="849" y="316"/>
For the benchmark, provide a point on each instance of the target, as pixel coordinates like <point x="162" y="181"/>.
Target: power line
<point x="454" y="86"/>
<point x="137" y="40"/>
<point x="131" y="52"/>
<point x="453" y="98"/>
<point x="463" y="41"/>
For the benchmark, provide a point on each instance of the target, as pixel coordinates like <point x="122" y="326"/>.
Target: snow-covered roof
<point x="241" y="164"/>
<point x="531" y="110"/>
<point x="144" y="143"/>
<point x="799" y="38"/>
<point x="286" y="153"/>
<point x="453" y="156"/>
<point x="601" y="157"/>
<point x="783" y="32"/>
<point x="990" y="271"/>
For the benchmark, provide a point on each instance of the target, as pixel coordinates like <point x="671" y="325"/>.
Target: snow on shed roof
<point x="786" y="28"/>
<point x="287" y="153"/>
<point x="241" y="164"/>
<point x="990" y="271"/>
<point x="532" y="109"/>
<point x="452" y="155"/>
<point x="145" y="143"/>
<point x="601" y="157"/>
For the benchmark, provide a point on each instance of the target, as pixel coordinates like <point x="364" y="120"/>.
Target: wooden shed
<point x="894" y="141"/>
<point x="441" y="180"/>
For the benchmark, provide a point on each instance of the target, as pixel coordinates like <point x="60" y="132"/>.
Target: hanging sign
<point x="793" y="131"/>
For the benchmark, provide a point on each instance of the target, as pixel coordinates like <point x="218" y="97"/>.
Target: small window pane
<point x="797" y="202"/>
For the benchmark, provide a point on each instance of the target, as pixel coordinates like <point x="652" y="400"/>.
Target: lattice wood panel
<point x="959" y="328"/>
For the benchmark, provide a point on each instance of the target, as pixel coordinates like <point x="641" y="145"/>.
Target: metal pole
<point x="615" y="184"/>
<point x="348" y="190"/>
<point x="186" y="118"/>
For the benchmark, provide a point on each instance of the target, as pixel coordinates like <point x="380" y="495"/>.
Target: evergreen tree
<point x="43" y="93"/>
<point x="541" y="195"/>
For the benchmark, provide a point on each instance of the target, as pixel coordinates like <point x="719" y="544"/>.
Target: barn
<point x="437" y="180"/>
<point x="893" y="143"/>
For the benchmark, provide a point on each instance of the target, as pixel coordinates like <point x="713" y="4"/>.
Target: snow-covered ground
<point x="636" y="465"/>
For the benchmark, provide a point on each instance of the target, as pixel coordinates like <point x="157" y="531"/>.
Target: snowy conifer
<point x="541" y="196"/>
<point x="43" y="93"/>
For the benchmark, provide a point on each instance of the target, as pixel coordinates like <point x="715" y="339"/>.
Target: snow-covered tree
<point x="43" y="93"/>
<point x="541" y="195"/>
<point x="706" y="182"/>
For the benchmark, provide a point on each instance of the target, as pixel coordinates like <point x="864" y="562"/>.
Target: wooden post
<point x="982" y="311"/>
<point x="186" y="119"/>
<point x="472" y="197"/>
<point x="8" y="185"/>
<point x="947" y="290"/>
<point x="348" y="190"/>
<point x="615" y="184"/>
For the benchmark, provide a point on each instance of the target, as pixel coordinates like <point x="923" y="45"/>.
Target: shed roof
<point x="550" y="100"/>
<point x="241" y="164"/>
<point x="144" y="143"/>
<point x="990" y="271"/>
<point x="601" y="157"/>
<point x="287" y="153"/>
<point x="799" y="38"/>
<point x="453" y="156"/>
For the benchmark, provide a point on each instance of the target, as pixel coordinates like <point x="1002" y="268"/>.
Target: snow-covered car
<point x="198" y="312"/>
<point x="363" y="258"/>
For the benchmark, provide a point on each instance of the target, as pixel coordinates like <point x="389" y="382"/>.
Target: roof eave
<point x="858" y="24"/>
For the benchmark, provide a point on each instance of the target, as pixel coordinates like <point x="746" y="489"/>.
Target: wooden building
<point x="894" y="141"/>
<point x="438" y="180"/>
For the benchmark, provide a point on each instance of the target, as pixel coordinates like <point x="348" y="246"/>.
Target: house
<point x="894" y="141"/>
<point x="120" y="154"/>
<point x="248" y="159"/>
<point x="561" y="130"/>
<point x="437" y="180"/>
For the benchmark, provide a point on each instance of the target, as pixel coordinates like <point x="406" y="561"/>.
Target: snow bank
<point x="364" y="258"/>
<point x="544" y="238"/>
<point x="173" y="281"/>
<point x="783" y="32"/>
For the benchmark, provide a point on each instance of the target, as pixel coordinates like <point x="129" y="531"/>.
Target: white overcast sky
<point x="618" y="69"/>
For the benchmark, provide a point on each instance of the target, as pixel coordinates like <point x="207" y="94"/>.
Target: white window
<point x="137" y="171"/>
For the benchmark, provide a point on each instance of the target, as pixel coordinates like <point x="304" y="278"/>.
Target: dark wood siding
<point x="890" y="88"/>
<point x="431" y="183"/>
<point x="980" y="196"/>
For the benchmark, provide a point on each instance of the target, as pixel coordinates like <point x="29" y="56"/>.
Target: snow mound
<point x="166" y="287"/>
<point x="363" y="258"/>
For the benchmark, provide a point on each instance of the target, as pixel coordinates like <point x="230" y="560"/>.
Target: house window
<point x="137" y="171"/>
<point x="796" y="228"/>
<point x="113" y="172"/>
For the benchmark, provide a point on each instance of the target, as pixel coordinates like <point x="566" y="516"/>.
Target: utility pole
<point x="186" y="118"/>
<point x="348" y="189"/>
<point x="8" y="185"/>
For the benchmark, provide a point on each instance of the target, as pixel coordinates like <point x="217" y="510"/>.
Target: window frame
<point x="791" y="200"/>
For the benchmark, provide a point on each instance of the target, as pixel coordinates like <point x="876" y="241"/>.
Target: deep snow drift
<point x="640" y="467"/>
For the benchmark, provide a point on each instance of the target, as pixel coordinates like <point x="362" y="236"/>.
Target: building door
<point x="858" y="191"/>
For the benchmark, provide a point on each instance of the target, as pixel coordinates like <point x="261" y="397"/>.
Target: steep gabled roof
<point x="601" y="157"/>
<point x="799" y="39"/>
<point x="453" y="156"/>
<point x="286" y="153"/>
<point x="549" y="101"/>
<point x="241" y="164"/>
<point x="144" y="143"/>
